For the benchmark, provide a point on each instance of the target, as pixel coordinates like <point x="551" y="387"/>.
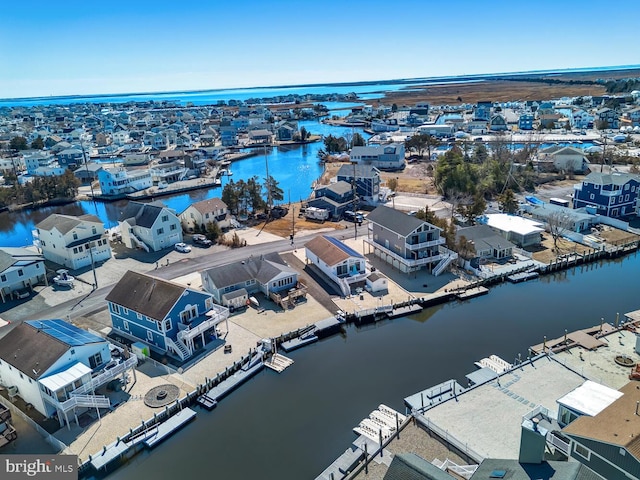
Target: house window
<point x="160" y="231"/>
<point x="125" y="311"/>
<point x="592" y="196"/>
<point x="626" y="197"/>
<point x="139" y="315"/>
<point x="20" y="273"/>
<point x="150" y="335"/>
<point x="208" y="303"/>
<point x="75" y="236"/>
<point x="188" y="313"/>
<point x="42" y="242"/>
<point x="165" y="218"/>
<point x="582" y="451"/>
<point x="172" y="227"/>
<point x="94" y="231"/>
<point x="75" y="250"/>
<point x="115" y="309"/>
<point x="95" y="360"/>
<point x="125" y="324"/>
<point x="167" y="324"/>
<point x="3" y="278"/>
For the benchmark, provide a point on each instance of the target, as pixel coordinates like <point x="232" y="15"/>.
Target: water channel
<point x="292" y="425"/>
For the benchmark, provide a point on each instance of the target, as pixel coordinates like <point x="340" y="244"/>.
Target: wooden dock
<point x="166" y="428"/>
<point x="472" y="292"/>
<point x="522" y="277"/>
<point x="278" y="362"/>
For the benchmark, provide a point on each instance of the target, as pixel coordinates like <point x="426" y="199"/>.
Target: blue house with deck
<point x="167" y="316"/>
<point x="610" y="194"/>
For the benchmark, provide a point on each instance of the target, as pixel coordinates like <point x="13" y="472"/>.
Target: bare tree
<point x="559" y="222"/>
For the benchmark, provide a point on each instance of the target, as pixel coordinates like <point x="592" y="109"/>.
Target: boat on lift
<point x="63" y="278"/>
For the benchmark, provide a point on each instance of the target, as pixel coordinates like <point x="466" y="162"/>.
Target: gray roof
<point x="65" y="223"/>
<point x="551" y="470"/>
<point x="6" y="260"/>
<point x="409" y="466"/>
<point x="610" y="178"/>
<point x="262" y="269"/>
<point x="339" y="187"/>
<point x="30" y="350"/>
<point x="483" y="235"/>
<point x="396" y="220"/>
<point x="150" y="296"/>
<point x="142" y="214"/>
<point x="361" y="171"/>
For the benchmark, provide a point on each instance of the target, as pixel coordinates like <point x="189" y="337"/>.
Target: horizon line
<point x="610" y="68"/>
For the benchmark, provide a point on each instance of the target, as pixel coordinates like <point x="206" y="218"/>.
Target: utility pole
<point x="86" y="167"/>
<point x="355" y="201"/>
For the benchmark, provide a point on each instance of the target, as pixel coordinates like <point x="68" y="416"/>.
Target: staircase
<point x="447" y="257"/>
<point x="139" y="243"/>
<point x="179" y="348"/>
<point x="93" y="401"/>
<point x="106" y="376"/>
<point x="345" y="288"/>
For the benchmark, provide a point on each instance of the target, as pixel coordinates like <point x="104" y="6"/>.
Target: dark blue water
<point x="293" y="425"/>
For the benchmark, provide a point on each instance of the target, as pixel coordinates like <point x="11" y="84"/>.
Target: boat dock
<point x="433" y="396"/>
<point x="472" y="293"/>
<point x="278" y="362"/>
<point x="298" y="342"/>
<point x="522" y="277"/>
<point x="166" y="428"/>
<point x="225" y="387"/>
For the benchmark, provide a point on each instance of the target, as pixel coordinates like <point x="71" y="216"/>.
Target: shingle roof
<point x="65" y="223"/>
<point x="31" y="350"/>
<point x="210" y="205"/>
<point x="610" y="178"/>
<point x="364" y="171"/>
<point x="142" y="214"/>
<point x="409" y="466"/>
<point x="150" y="296"/>
<point x="262" y="269"/>
<point x="330" y="250"/>
<point x="395" y="220"/>
<point x="483" y="236"/>
<point x="6" y="260"/>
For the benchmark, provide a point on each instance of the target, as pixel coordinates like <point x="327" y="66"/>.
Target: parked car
<point x="201" y="241"/>
<point x="182" y="247"/>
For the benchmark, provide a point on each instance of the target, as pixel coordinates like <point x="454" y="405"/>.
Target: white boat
<point x="63" y="278"/>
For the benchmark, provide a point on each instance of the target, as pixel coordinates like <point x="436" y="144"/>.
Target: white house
<point x="55" y="367"/>
<point x="201" y="213"/>
<point x="150" y="226"/>
<point x="521" y="231"/>
<point x="339" y="262"/>
<point x="384" y="157"/>
<point x="567" y="159"/>
<point x="20" y="268"/>
<point x="120" y="181"/>
<point x="73" y="242"/>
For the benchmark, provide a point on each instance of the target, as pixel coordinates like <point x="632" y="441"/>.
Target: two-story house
<point x="406" y="242"/>
<point x="562" y="159"/>
<point x="340" y="263"/>
<point x="607" y="118"/>
<point x="119" y="181"/>
<point x="74" y="242"/>
<point x="233" y="283"/>
<point x="498" y="123"/>
<point x="611" y="194"/>
<point x="20" y="269"/>
<point x="150" y="226"/>
<point x="336" y="197"/>
<point x="383" y="157"/>
<point x="367" y="181"/>
<point x="525" y="122"/>
<point x="168" y="317"/>
<point x="199" y="214"/>
<point x="56" y="367"/>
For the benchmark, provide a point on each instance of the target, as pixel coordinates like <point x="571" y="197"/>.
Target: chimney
<point x="532" y="442"/>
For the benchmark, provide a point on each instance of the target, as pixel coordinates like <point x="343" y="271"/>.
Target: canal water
<point x="293" y="425"/>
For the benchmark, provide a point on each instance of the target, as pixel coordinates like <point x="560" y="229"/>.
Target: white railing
<point x="448" y="257"/>
<point x="139" y="242"/>
<point x="410" y="262"/>
<point x="560" y="444"/>
<point x="418" y="246"/>
<point x="179" y="347"/>
<point x="94" y="401"/>
<point x="106" y="376"/>
<point x="190" y="333"/>
<point x="344" y="287"/>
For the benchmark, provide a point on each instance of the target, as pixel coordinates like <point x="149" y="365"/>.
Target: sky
<point x="72" y="47"/>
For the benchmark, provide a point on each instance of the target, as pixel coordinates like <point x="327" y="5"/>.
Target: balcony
<point x="420" y="246"/>
<point x="409" y="262"/>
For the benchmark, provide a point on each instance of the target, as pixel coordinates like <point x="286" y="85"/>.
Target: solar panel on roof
<point x="345" y="248"/>
<point x="65" y="332"/>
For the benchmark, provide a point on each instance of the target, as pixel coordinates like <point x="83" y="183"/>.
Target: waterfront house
<point x="70" y="157"/>
<point x="339" y="263"/>
<point x="482" y="243"/>
<point x="562" y="159"/>
<point x="610" y="194"/>
<point x="49" y="364"/>
<point x="436" y="130"/>
<point x="150" y="226"/>
<point x="20" y="269"/>
<point x="198" y="215"/>
<point x="36" y="161"/>
<point x="336" y="197"/>
<point x="73" y="242"/>
<point x="521" y="231"/>
<point x="383" y="157"/>
<point x="260" y="137"/>
<point x="233" y="283"/>
<point x="119" y="181"/>
<point x="406" y="242"/>
<point x="168" y="317"/>
<point x="608" y="442"/>
<point x="566" y="218"/>
<point x="367" y="181"/>
<point x="88" y="172"/>
<point x="120" y="137"/>
<point x="167" y="172"/>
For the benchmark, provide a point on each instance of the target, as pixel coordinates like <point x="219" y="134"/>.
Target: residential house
<point x="286" y="131"/>
<point x="608" y="442"/>
<point x="581" y="118"/>
<point x="50" y="365"/>
<point x="633" y="116"/>
<point x="406" y="242"/>
<point x="498" y="123"/>
<point x="88" y="173"/>
<point x="168" y="317"/>
<point x="338" y="262"/>
<point x="261" y="136"/>
<point x="565" y="218"/>
<point x="606" y="118"/>
<point x="73" y="242"/>
<point x="367" y="181"/>
<point x="521" y="231"/>
<point x="120" y="137"/>
<point x="610" y="194"/>
<point x="167" y="172"/>
<point x="336" y="197"/>
<point x="525" y="122"/>
<point x="477" y="127"/>
<point x="20" y="269"/>
<point x="150" y="226"/>
<point x="232" y="284"/>
<point x="443" y="130"/>
<point x="482" y="243"/>
<point x="548" y="120"/>
<point x="119" y="181"/>
<point x="562" y="159"/>
<point x="200" y="214"/>
<point x="482" y="111"/>
<point x="37" y="160"/>
<point x="70" y="157"/>
<point x="158" y="141"/>
<point x="383" y="157"/>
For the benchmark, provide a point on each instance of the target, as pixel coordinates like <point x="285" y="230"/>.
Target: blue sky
<point x="86" y="47"/>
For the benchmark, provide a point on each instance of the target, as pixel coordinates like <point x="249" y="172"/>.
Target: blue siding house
<point x="335" y="197"/>
<point x="525" y="122"/>
<point x="367" y="181"/>
<point x="610" y="194"/>
<point x="170" y="318"/>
